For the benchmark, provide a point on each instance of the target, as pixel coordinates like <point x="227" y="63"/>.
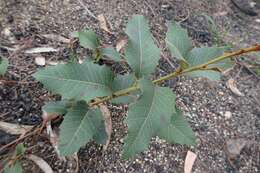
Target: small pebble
<point x="40" y="61"/>
<point x="228" y="114"/>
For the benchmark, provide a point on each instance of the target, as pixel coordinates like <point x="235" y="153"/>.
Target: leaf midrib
<point x="140" y="46"/>
<point x="146" y="119"/>
<point x="72" y="80"/>
<point x="68" y="146"/>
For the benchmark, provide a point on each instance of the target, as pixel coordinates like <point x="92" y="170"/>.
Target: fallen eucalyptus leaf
<point x="189" y="161"/>
<point x="231" y="84"/>
<point x="103" y="23"/>
<point x="54" y="136"/>
<point x="41" y="50"/>
<point x="108" y="123"/>
<point x="58" y="38"/>
<point x="43" y="165"/>
<point x="14" y="129"/>
<point x="121" y="44"/>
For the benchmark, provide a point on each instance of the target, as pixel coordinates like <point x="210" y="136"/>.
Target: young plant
<point x="3" y="65"/>
<point x="152" y="109"/>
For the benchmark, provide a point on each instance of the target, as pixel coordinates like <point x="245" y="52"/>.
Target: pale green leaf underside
<point x="199" y="56"/>
<point x="210" y="74"/>
<point x="58" y="107"/>
<point x="16" y="168"/>
<point x="3" y="65"/>
<point x="77" y="81"/>
<point x="111" y="53"/>
<point x="178" y="41"/>
<point x="87" y="39"/>
<point x="141" y="53"/>
<point x="79" y="126"/>
<point x="149" y="114"/>
<point x="122" y="82"/>
<point x="178" y="131"/>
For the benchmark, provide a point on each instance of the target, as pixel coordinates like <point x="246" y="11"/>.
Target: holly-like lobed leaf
<point x="84" y="81"/>
<point x="81" y="124"/>
<point x="87" y="39"/>
<point x="141" y="53"/>
<point x="147" y="116"/>
<point x="122" y="82"/>
<point x="3" y="65"/>
<point x="111" y="53"/>
<point x="199" y="56"/>
<point x="178" y="41"/>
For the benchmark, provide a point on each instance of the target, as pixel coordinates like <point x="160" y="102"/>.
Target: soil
<point x="216" y="114"/>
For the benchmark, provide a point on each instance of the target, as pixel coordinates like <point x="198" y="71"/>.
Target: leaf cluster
<point x="152" y="109"/>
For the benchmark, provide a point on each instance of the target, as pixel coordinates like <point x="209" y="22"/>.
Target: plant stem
<point x="202" y="66"/>
<point x="177" y="73"/>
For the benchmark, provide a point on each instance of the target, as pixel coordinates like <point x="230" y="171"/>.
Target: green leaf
<point x="141" y="53"/>
<point x="3" y="65"/>
<point x="16" y="168"/>
<point x="147" y="116"/>
<point x="122" y="82"/>
<point x="58" y="107"/>
<point x="178" y="131"/>
<point x="80" y="125"/>
<point x="210" y="74"/>
<point x="111" y="53"/>
<point x="202" y="55"/>
<point x="199" y="56"/>
<point x="77" y="81"/>
<point x="178" y="41"/>
<point x="87" y="39"/>
<point x="20" y="149"/>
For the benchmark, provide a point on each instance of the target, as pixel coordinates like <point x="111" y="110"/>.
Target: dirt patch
<point x="205" y="103"/>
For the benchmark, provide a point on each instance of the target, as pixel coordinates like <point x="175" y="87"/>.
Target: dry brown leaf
<point x="54" y="138"/>
<point x="231" y="84"/>
<point x="121" y="44"/>
<point x="53" y="133"/>
<point x="14" y="129"/>
<point x="43" y="165"/>
<point x="58" y="38"/>
<point x="107" y="120"/>
<point x="189" y="161"/>
<point x="108" y="123"/>
<point x="103" y="23"/>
